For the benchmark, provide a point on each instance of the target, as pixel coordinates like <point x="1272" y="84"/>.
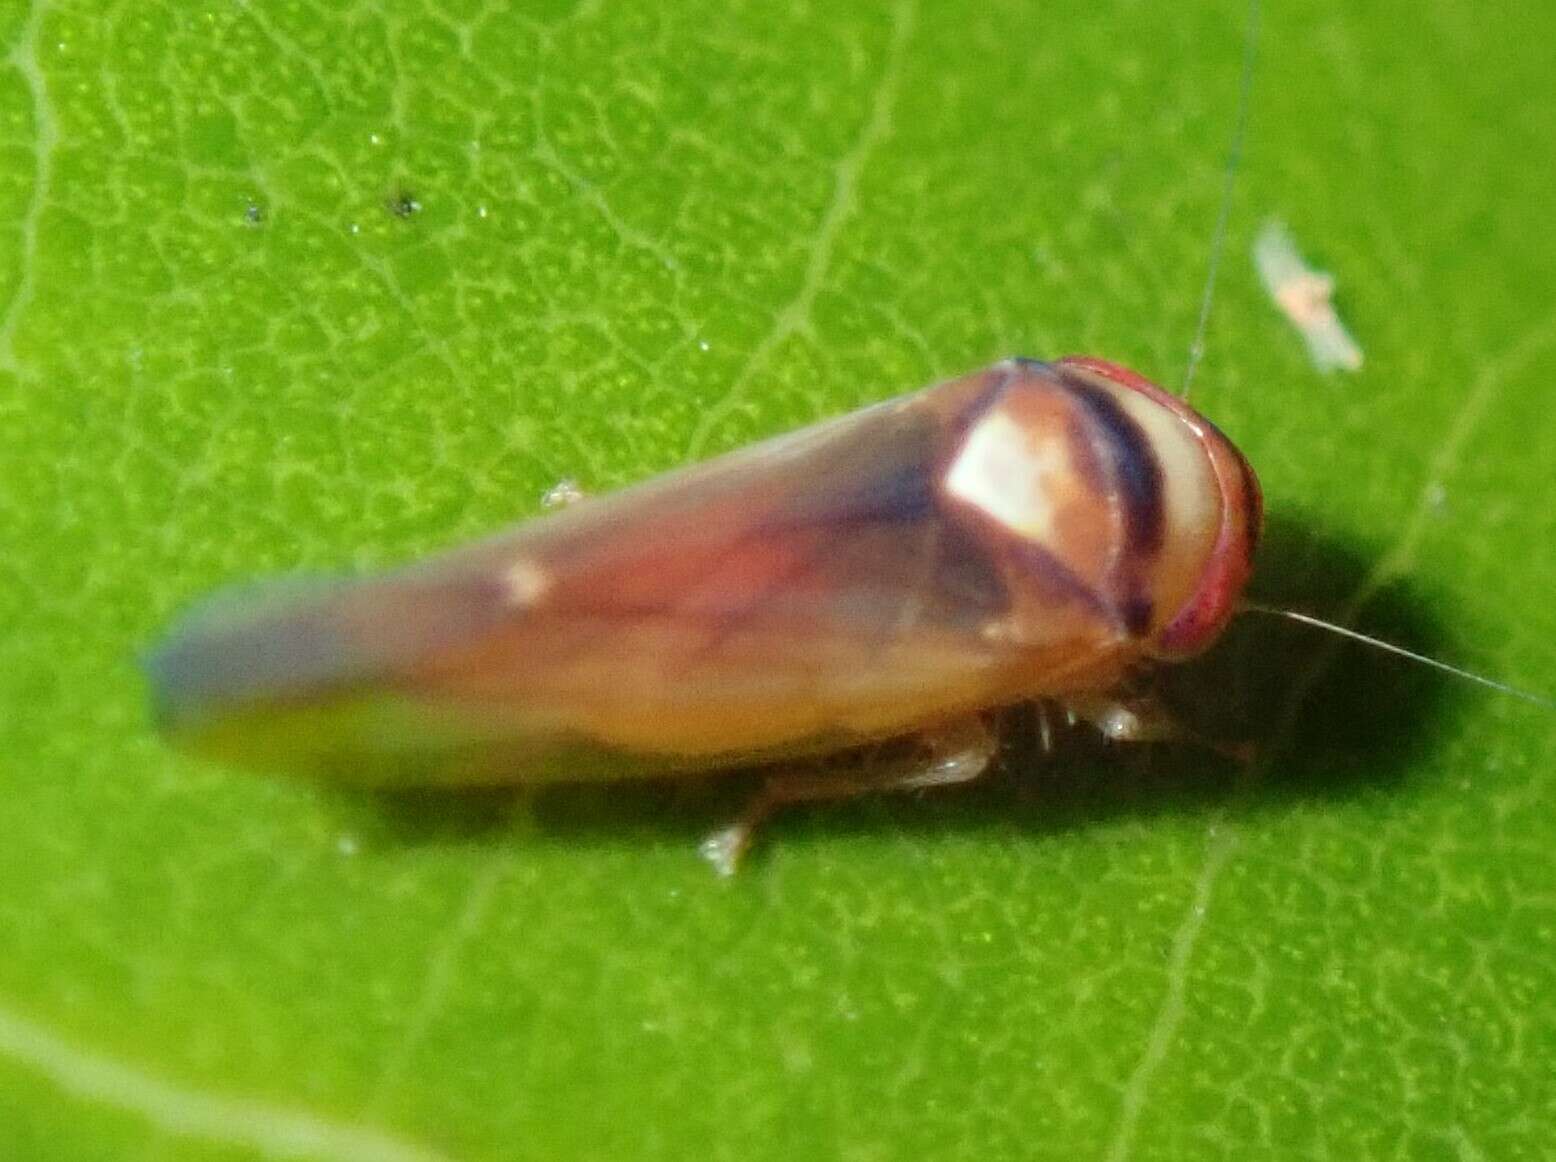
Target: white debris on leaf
<point x="561" y="494"/>
<point x="1304" y="295"/>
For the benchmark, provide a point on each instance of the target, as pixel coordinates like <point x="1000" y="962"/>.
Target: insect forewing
<point x="820" y="590"/>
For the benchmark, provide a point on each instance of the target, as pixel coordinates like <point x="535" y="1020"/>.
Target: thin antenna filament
<point x="1234" y="161"/>
<point x="1401" y="651"/>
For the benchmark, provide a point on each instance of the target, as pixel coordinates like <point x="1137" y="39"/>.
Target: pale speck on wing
<point x="998" y="632"/>
<point x="525" y="583"/>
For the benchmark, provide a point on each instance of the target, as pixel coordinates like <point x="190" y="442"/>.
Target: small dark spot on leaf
<point x="253" y="214"/>
<point x="403" y="204"/>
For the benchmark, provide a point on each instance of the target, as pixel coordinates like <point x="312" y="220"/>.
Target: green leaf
<point x="305" y="287"/>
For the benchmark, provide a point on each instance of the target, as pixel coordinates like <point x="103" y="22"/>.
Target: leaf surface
<point x="308" y="287"/>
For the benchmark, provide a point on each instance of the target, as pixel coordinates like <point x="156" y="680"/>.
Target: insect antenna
<point x="1234" y="159"/>
<point x="1399" y="651"/>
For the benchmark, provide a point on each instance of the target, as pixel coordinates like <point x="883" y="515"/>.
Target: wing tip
<point x="245" y="647"/>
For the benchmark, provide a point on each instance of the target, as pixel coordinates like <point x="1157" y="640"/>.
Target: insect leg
<point x="1142" y="718"/>
<point x="1134" y="719"/>
<point x="957" y="753"/>
<point x="1045" y="729"/>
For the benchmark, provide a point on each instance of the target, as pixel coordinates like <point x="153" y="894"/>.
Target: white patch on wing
<point x="1010" y="473"/>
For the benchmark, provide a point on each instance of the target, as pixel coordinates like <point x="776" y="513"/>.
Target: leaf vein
<point x="794" y="317"/>
<point x="24" y="58"/>
<point x="273" y="1131"/>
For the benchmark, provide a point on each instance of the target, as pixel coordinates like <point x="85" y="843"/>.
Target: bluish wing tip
<point x="239" y="648"/>
<point x="177" y="678"/>
<point x="153" y="670"/>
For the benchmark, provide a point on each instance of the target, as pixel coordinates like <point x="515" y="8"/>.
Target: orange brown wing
<point x="818" y="590"/>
